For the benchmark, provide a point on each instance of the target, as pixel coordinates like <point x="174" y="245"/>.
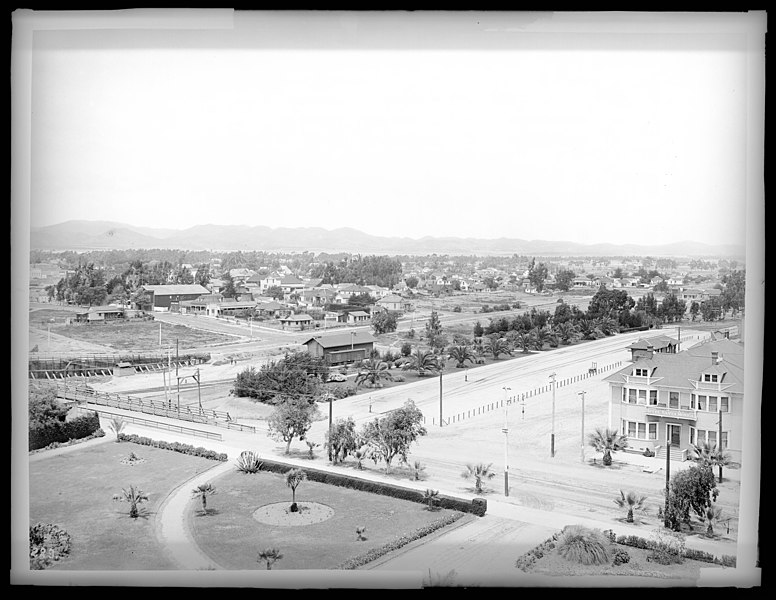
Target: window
<point x="624" y="394"/>
<point x="631" y="429"/>
<point x="712" y="404"/>
<point x="692" y="401"/>
<point x="711" y="377"/>
<point x="701" y="402"/>
<point x="642" y="396"/>
<point x="673" y="400"/>
<point x="712" y="437"/>
<point x="642" y="431"/>
<point x="641" y="372"/>
<point x="652" y="430"/>
<point x="632" y="396"/>
<point x="724" y="440"/>
<point x="723" y="404"/>
<point x="701" y="436"/>
<point x="652" y="397"/>
<point x="692" y="435"/>
<point x="624" y="427"/>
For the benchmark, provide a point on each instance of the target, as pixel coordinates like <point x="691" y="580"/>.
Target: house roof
<point x="304" y="317"/>
<point x="269" y="306"/>
<point x="679" y="370"/>
<point x="359" y="313"/>
<point x="176" y="290"/>
<point x="341" y="339"/>
<point x="291" y="280"/>
<point x="393" y="298"/>
<point x="657" y="342"/>
<point x="101" y="309"/>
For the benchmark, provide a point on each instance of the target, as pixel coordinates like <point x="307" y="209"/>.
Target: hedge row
<point x="45" y="434"/>
<point x="477" y="506"/>
<point x="174" y="446"/>
<point x="376" y="553"/>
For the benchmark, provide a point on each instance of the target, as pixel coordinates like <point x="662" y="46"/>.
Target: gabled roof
<point x="359" y="313"/>
<point x="342" y="339"/>
<point x="176" y="290"/>
<point x="657" y="342"/>
<point x="290" y="280"/>
<point x="300" y="317"/>
<point x="102" y="309"/>
<point x="679" y="370"/>
<point x="390" y="299"/>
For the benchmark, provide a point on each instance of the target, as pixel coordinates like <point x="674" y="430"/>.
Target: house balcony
<point x="661" y="410"/>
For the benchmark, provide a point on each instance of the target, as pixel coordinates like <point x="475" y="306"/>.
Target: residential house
<point x="642" y="348"/>
<point x="341" y="348"/>
<point x="271" y="309"/>
<point x="681" y="397"/>
<point x="215" y="285"/>
<point x="297" y="321"/>
<point x="358" y="316"/>
<point x="101" y="314"/>
<point x="240" y="275"/>
<point x="169" y="296"/>
<point x="271" y="280"/>
<point x="393" y="303"/>
<point x="291" y="284"/>
<point x="582" y="282"/>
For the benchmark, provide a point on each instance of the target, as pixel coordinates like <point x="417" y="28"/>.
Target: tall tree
<point x="392" y="435"/>
<point x="292" y="418"/>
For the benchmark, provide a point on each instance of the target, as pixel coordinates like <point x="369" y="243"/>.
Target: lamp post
<point x="441" y="369"/>
<point x="582" y="446"/>
<point x="329" y="397"/>
<point x="552" y="435"/>
<point x="506" y="442"/>
<point x="352" y="335"/>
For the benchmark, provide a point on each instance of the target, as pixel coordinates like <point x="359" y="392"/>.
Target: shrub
<point x="45" y="434"/>
<point x="175" y="447"/>
<point x="48" y="543"/>
<point x="648" y="452"/>
<point x="249" y="462"/>
<point x="583" y="545"/>
<point x="527" y="560"/>
<point x="620" y="557"/>
<point x="667" y="547"/>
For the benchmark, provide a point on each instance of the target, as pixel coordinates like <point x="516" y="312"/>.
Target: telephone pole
<point x="506" y="441"/>
<point x="582" y="445"/>
<point x="552" y="435"/>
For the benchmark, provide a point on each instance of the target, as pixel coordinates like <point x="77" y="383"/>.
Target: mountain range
<point x="82" y="236"/>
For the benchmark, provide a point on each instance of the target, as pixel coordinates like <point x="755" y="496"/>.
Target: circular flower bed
<point x="280" y="513"/>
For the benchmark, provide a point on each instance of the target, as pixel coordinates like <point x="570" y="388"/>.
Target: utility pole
<point x="582" y="445"/>
<point x="719" y="445"/>
<point x="668" y="478"/>
<point x="176" y="375"/>
<point x="160" y="335"/>
<point x="440" y="398"/>
<point x="329" y="397"/>
<point x="506" y="441"/>
<point x="552" y="435"/>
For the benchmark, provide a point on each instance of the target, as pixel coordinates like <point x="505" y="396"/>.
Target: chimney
<point x="650" y="350"/>
<point x="715" y="358"/>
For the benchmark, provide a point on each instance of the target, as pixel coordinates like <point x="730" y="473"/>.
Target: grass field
<point x="74" y="491"/>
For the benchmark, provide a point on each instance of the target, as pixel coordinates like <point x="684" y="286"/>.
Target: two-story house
<point x="681" y="397"/>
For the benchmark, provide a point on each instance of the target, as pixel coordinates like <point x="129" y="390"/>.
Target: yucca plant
<point x="135" y="497"/>
<point x="360" y="534"/>
<point x="632" y="501"/>
<point x="269" y="556"/>
<point x="430" y="496"/>
<point x="417" y="470"/>
<point x="311" y="446"/>
<point x="607" y="441"/>
<point x="249" y="462"/>
<point x="202" y="491"/>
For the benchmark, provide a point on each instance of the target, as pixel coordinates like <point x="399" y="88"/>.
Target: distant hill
<point x="105" y="235"/>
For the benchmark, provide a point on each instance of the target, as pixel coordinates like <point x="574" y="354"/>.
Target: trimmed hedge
<point x="376" y="553"/>
<point x="45" y="434"/>
<point x="477" y="506"/>
<point x="174" y="446"/>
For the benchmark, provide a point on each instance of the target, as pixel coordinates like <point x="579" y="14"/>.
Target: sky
<point x="535" y="126"/>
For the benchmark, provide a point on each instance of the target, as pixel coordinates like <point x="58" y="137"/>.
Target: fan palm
<point x="135" y="496"/>
<point x="430" y="497"/>
<point x="566" y="331"/>
<point x="497" y="345"/>
<point x="607" y="441"/>
<point x="712" y="455"/>
<point x="479" y="471"/>
<point x="523" y="340"/>
<point x="422" y="361"/>
<point x="202" y="491"/>
<point x="539" y="337"/>
<point x="632" y="501"/>
<point x="460" y="354"/>
<point x="372" y="371"/>
<point x="713" y="514"/>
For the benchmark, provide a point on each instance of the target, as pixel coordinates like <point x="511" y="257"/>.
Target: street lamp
<point x="352" y="335"/>
<point x="506" y="442"/>
<point x="329" y="397"/>
<point x="582" y="446"/>
<point x="552" y="435"/>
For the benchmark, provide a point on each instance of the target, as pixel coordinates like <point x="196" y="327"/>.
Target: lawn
<point x="137" y="336"/>
<point x="75" y="492"/>
<point x="232" y="537"/>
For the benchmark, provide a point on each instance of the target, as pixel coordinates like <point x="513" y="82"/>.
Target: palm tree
<point x="540" y="336"/>
<point x="372" y="371"/>
<point x="135" y="496"/>
<point x="523" y="340"/>
<point x="607" y="441"/>
<point x="713" y="514"/>
<point x="293" y="478"/>
<point x="566" y="331"/>
<point x="608" y="326"/>
<point x="417" y="468"/>
<point x="497" y="346"/>
<point x="587" y="329"/>
<point x="360" y="534"/>
<point x="117" y="425"/>
<point x="422" y="361"/>
<point x="460" y="354"/>
<point x="631" y="501"/>
<point x="479" y="471"/>
<point x="712" y="455"/>
<point x="269" y="556"/>
<point x="203" y="491"/>
<point x="430" y="497"/>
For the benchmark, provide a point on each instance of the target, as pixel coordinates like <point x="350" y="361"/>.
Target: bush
<point x="48" y="543"/>
<point x="42" y="435"/>
<point x="620" y="557"/>
<point x="667" y="547"/>
<point x="583" y="545"/>
<point x="527" y="560"/>
<point x="648" y="452"/>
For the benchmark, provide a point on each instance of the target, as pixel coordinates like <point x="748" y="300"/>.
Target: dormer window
<point x="641" y="372"/>
<point x="710" y="377"/>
